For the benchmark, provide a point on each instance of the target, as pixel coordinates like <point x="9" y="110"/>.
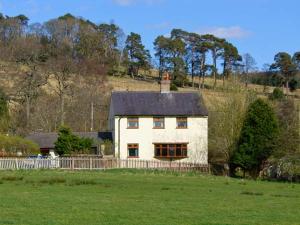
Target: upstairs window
<point x="158" y="122"/>
<point x="133" y="123"/>
<point x="133" y="150"/>
<point x="181" y="122"/>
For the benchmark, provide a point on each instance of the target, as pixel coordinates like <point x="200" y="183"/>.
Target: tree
<point x="203" y="47"/>
<point x="32" y="59"/>
<point x="258" y="138"/>
<point x="63" y="69"/>
<point x="67" y="142"/>
<point x="4" y="113"/>
<point x="170" y="53"/>
<point x="249" y="65"/>
<point x="288" y="143"/>
<point x="296" y="60"/>
<point x="217" y="50"/>
<point x="139" y="57"/>
<point x="283" y="64"/>
<point x="161" y="47"/>
<point x="226" y="117"/>
<point x="230" y="57"/>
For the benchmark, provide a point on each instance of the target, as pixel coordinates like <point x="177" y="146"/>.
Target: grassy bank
<point x="138" y="197"/>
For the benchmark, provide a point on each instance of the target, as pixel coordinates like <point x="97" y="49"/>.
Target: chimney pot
<point x="165" y="83"/>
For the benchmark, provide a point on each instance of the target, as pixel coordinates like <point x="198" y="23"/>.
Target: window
<point x="133" y="150"/>
<point x="158" y="122"/>
<point x="178" y="150"/>
<point x="181" y="122"/>
<point x="133" y="123"/>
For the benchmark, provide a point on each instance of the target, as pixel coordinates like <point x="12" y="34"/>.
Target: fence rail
<point x="74" y="163"/>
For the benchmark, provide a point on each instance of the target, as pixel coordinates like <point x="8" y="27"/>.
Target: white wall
<point x="145" y="136"/>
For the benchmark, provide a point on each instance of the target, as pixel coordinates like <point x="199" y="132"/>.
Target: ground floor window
<point x="133" y="150"/>
<point x="170" y="150"/>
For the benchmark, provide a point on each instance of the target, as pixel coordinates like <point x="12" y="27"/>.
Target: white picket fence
<point x="92" y="163"/>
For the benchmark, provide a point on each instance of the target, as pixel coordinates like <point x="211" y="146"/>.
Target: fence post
<point x="72" y="164"/>
<point x="17" y="166"/>
<point x="91" y="163"/>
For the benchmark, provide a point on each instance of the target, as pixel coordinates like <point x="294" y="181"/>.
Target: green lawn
<point x="139" y="197"/>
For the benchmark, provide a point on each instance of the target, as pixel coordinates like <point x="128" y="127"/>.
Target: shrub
<point x="108" y="147"/>
<point x="277" y="94"/>
<point x="13" y="144"/>
<point x="293" y="84"/>
<point x="67" y="142"/>
<point x="173" y="87"/>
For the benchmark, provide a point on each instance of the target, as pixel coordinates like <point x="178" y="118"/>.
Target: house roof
<point x="156" y="103"/>
<point x="47" y="140"/>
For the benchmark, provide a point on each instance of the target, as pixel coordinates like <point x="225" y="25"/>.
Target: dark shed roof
<point x="47" y="140"/>
<point x="156" y="103"/>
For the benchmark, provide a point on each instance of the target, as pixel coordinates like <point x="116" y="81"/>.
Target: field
<point x="140" y="197"/>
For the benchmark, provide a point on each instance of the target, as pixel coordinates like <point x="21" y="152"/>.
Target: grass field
<point x="139" y="197"/>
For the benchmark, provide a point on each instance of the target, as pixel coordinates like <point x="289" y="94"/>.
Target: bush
<point x="14" y="144"/>
<point x="67" y="142"/>
<point x="285" y="169"/>
<point x="277" y="94"/>
<point x="173" y="87"/>
<point x="293" y="84"/>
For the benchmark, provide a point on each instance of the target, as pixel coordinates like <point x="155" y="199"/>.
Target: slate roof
<point x="47" y="140"/>
<point x="157" y="104"/>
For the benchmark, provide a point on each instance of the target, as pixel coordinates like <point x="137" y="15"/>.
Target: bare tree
<point x="249" y="65"/>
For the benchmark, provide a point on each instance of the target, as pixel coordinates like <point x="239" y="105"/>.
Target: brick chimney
<point x="165" y="83"/>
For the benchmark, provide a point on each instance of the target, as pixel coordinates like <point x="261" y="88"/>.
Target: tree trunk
<point x="224" y="71"/>
<point x="193" y="65"/>
<point x="27" y="111"/>
<point x="202" y="83"/>
<point x="62" y="109"/>
<point x="287" y="87"/>
<point x="92" y="116"/>
<point x="215" y="69"/>
<point x="246" y="83"/>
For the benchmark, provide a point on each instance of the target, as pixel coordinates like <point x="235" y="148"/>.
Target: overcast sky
<point x="259" y="27"/>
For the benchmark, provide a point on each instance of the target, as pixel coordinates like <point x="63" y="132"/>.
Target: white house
<point x="159" y="125"/>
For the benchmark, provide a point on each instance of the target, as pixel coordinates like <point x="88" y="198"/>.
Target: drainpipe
<point x="119" y="136"/>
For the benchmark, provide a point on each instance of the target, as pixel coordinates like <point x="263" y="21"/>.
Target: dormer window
<point x="158" y="122"/>
<point x="133" y="123"/>
<point x="181" y="122"/>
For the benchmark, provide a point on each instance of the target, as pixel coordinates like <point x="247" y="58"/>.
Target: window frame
<point x="133" y="145"/>
<point x="180" y="119"/>
<point x="164" y="150"/>
<point x="156" y="118"/>
<point x="135" y="119"/>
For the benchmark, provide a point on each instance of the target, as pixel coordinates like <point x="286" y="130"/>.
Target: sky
<point x="259" y="27"/>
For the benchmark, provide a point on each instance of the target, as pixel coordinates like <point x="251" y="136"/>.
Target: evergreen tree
<point x="138" y="56"/>
<point x="283" y="63"/>
<point x="67" y="142"/>
<point x="258" y="137"/>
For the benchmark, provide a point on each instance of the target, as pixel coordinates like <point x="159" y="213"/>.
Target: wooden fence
<point x="74" y="163"/>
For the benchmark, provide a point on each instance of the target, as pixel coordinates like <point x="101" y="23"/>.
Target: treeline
<point x="62" y="64"/>
<point x="284" y="71"/>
